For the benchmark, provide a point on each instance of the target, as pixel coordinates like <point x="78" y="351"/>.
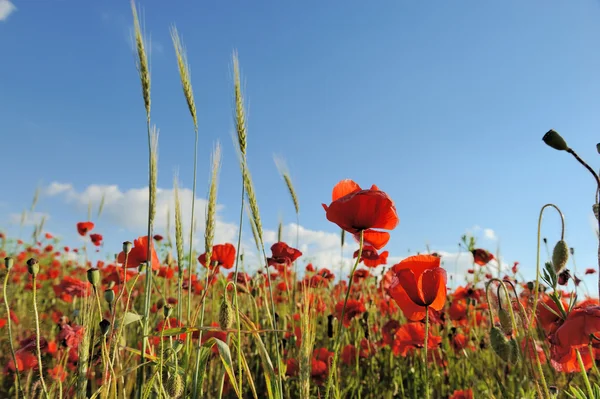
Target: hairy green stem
<point x="10" y="337"/>
<point x="37" y="338"/>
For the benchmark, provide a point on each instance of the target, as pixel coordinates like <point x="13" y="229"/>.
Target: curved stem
<point x="338" y="338"/>
<point x="10" y="337"/>
<point x="537" y="261"/>
<point x="597" y="178"/>
<point x="37" y="339"/>
<point x="235" y="279"/>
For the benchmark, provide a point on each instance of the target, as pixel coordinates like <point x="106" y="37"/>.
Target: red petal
<point x="378" y="239"/>
<point x="433" y="287"/>
<point x="343" y="188"/>
<point x="407" y="279"/>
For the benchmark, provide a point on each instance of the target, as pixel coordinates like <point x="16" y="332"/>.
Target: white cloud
<point x="490" y="234"/>
<point x="28" y="218"/>
<point x="6" y="8"/>
<point x="129" y="209"/>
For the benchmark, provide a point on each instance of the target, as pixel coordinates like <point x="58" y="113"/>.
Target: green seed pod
<point x="142" y="267"/>
<point x="225" y="314"/>
<point x="109" y="295"/>
<point x="127" y="247"/>
<point x="93" y="276"/>
<point x="560" y="256"/>
<point x="33" y="266"/>
<point x="500" y="343"/>
<point x="505" y="321"/>
<point x="554" y="140"/>
<point x="174" y="386"/>
<point x="9" y="263"/>
<point x="104" y="327"/>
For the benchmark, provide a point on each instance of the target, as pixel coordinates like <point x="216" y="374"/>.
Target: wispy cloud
<point x="6" y="8"/>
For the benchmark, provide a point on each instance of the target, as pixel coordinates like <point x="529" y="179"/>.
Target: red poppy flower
<point x="549" y="319"/>
<point x="356" y="210"/>
<point x="590" y="271"/>
<point x="158" y="237"/>
<point x="320" y="365"/>
<point x="84" y="227"/>
<point x="371" y="258"/>
<point x="576" y="329"/>
<point x="412" y="336"/>
<point x="96" y="239"/>
<point x="515" y="267"/>
<point x="360" y="275"/>
<point x="283" y="254"/>
<point x="48" y="236"/>
<point x="462" y="394"/>
<point x="481" y="256"/>
<point x="223" y="255"/>
<point x="139" y="254"/>
<point x="353" y="308"/>
<point x="418" y="282"/>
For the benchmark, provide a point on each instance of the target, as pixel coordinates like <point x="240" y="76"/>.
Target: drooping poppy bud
<point x="505" y="321"/>
<point x="560" y="255"/>
<point x="555" y="140"/>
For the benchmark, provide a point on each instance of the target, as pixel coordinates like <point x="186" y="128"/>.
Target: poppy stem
<point x="338" y="338"/>
<point x="426" y="343"/>
<point x="584" y="374"/>
<point x="37" y="339"/>
<point x="10" y="337"/>
<point x="537" y="262"/>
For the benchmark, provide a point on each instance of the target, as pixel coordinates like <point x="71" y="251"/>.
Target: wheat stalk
<point x="178" y="244"/>
<point x="184" y="74"/>
<point x="142" y="60"/>
<point x="285" y="174"/>
<point x="209" y="233"/>
<point x="240" y="113"/>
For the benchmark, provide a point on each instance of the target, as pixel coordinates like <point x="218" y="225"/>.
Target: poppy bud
<point x="500" y="343"/>
<point x="563" y="277"/>
<point x="330" y="326"/>
<point x="225" y="314"/>
<point x="560" y="256"/>
<point x="514" y="351"/>
<point x="142" y="267"/>
<point x="109" y="295"/>
<point x="93" y="276"/>
<point x="545" y="240"/>
<point x="127" y="247"/>
<point x="160" y="303"/>
<point x="104" y="326"/>
<point x="554" y="140"/>
<point x="167" y="310"/>
<point x="505" y="321"/>
<point x="598" y="148"/>
<point x="33" y="266"/>
<point x="595" y="209"/>
<point x="174" y="386"/>
<point x="9" y="262"/>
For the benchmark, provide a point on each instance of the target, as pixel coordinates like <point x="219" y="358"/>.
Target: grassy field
<point x="164" y="321"/>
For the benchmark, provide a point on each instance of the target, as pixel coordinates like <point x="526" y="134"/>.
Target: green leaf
<point x="131" y="318"/>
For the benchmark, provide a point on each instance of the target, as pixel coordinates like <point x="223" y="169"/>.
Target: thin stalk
<point x="235" y="279"/>
<point x="37" y="338"/>
<point x="537" y="259"/>
<point x="426" y="342"/>
<point x="584" y="374"/>
<point x="189" y="304"/>
<point x="338" y="338"/>
<point x="10" y="337"/>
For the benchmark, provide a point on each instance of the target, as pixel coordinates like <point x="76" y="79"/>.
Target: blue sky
<point x="441" y="104"/>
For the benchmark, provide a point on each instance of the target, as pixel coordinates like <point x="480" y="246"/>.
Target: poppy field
<point x="167" y="319"/>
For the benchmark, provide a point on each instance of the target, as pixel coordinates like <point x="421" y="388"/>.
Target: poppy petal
<point x="344" y="188"/>
<point x="377" y="239"/>
<point x="413" y="288"/>
<point x="433" y="284"/>
<point x="411" y="310"/>
<point x="418" y="264"/>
